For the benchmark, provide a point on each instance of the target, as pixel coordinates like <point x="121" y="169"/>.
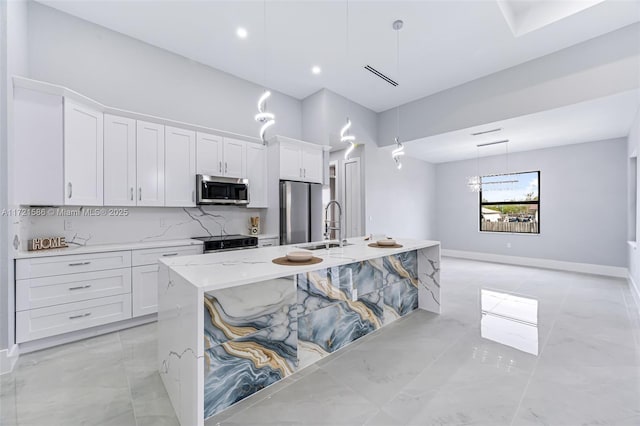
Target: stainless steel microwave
<point x="220" y="190"/>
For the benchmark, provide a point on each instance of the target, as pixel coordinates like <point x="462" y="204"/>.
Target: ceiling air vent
<point x="379" y="74"/>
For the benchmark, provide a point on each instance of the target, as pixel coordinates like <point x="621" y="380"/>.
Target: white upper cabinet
<point x="290" y="161"/>
<point x="234" y="153"/>
<point x="218" y="156"/>
<point x="83" y="155"/>
<point x="38" y="146"/>
<point x="256" y="165"/>
<point x="209" y="158"/>
<point x="119" y="161"/>
<point x="180" y="167"/>
<point x="150" y="164"/>
<point x="301" y="162"/>
<point x="312" y="164"/>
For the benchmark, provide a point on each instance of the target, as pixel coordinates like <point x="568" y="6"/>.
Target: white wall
<point x="582" y="204"/>
<point x="13" y="61"/>
<point x="398" y="203"/>
<point x="598" y="67"/>
<point x="633" y="147"/>
<point x="126" y="73"/>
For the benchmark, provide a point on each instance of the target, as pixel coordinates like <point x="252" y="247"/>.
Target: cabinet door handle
<point x="80" y="316"/>
<point x="267" y="245"/>
<point x="140" y="193"/>
<point x="219" y="166"/>
<point x="300" y="171"/>
<point x="80" y="263"/>
<point x="225" y="167"/>
<point x="193" y="195"/>
<point x="305" y="172"/>
<point x="132" y="193"/>
<point x="70" y="189"/>
<point x="79" y="287"/>
<point x="169" y="254"/>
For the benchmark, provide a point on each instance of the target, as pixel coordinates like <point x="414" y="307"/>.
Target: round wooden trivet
<point x="379" y="246"/>
<point x="287" y="262"/>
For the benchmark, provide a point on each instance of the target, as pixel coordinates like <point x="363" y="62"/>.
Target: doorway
<point x="352" y="198"/>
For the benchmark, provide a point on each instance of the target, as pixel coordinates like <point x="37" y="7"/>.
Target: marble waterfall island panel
<point x="400" y="298"/>
<point x="429" y="279"/>
<point x="322" y="288"/>
<point x="241" y="311"/>
<point x="326" y="330"/>
<point x="238" y="368"/>
<point x="398" y="267"/>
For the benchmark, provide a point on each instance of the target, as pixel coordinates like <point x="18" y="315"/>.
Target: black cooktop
<point x="227" y="242"/>
<point x="222" y="237"/>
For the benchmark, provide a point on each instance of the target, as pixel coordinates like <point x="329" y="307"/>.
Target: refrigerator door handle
<point x="285" y="223"/>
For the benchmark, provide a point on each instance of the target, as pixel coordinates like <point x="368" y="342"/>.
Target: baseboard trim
<point x="586" y="268"/>
<point x="635" y="290"/>
<point x="8" y="359"/>
<point x="49" y="342"/>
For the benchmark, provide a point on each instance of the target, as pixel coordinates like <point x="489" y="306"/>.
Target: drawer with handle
<point x="40" y="292"/>
<point x="267" y="242"/>
<point x="150" y="256"/>
<point x="50" y="321"/>
<point x="71" y="264"/>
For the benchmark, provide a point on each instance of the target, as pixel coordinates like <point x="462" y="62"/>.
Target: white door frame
<point x="344" y="192"/>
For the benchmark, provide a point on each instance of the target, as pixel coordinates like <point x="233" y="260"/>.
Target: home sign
<point x="47" y="243"/>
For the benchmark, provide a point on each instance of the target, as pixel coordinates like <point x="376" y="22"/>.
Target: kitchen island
<point x="233" y="323"/>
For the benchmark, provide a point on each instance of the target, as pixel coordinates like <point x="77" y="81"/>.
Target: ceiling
<point x="598" y="119"/>
<point x="443" y="44"/>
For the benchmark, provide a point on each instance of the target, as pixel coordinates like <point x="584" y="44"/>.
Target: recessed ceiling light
<point x="316" y="69"/>
<point x="242" y="33"/>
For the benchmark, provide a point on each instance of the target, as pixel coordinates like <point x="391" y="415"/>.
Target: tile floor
<point x="422" y="370"/>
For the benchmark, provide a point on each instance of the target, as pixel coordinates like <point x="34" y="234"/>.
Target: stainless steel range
<point x="227" y="242"/>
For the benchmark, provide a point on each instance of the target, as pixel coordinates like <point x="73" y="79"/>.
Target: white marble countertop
<point x="215" y="271"/>
<point x="98" y="248"/>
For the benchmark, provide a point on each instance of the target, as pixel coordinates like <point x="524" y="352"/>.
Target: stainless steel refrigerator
<point x="300" y="212"/>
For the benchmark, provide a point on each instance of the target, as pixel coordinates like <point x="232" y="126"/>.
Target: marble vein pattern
<point x="399" y="267"/>
<point x="251" y="340"/>
<point x="137" y="225"/>
<point x="400" y="298"/>
<point x="238" y="368"/>
<point x="329" y="329"/>
<point x="429" y="279"/>
<point x="238" y="312"/>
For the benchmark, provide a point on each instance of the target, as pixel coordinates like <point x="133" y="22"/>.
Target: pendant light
<point x="475" y="183"/>
<point x="345" y="135"/>
<point x="267" y="119"/>
<point x="398" y="152"/>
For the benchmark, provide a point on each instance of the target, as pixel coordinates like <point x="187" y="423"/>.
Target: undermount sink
<point x="320" y="246"/>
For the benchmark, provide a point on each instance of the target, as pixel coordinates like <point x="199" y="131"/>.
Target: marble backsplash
<point x="80" y="226"/>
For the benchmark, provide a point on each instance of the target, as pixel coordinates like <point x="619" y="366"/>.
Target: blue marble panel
<point x="241" y="311"/>
<point x="329" y="329"/>
<point x="400" y="298"/>
<point x="399" y="267"/>
<point x="238" y="368"/>
<point x="325" y="287"/>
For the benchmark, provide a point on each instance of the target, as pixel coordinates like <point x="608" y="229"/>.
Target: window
<point x="510" y="203"/>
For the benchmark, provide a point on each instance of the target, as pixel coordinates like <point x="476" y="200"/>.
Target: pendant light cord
<point x="264" y="58"/>
<point x="398" y="77"/>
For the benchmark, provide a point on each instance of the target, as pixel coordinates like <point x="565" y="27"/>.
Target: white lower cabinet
<point x="36" y="293"/>
<point x="50" y="321"/>
<point x="268" y="242"/>
<point x="144" y="299"/>
<point x="62" y="294"/>
<point x="145" y="276"/>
